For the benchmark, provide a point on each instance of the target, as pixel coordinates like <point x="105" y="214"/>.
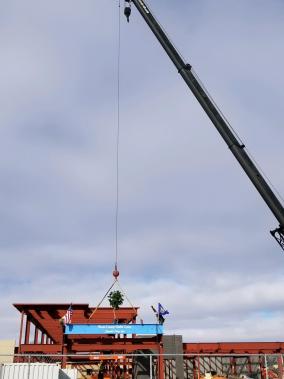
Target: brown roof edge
<point x="25" y="306"/>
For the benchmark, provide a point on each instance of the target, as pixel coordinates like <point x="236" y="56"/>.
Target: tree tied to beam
<point x="115" y="299"/>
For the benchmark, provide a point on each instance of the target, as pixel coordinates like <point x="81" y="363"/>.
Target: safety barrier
<point x="141" y="366"/>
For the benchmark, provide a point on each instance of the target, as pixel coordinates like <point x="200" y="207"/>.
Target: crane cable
<point x="116" y="272"/>
<point x="105" y="295"/>
<point x="117" y="135"/>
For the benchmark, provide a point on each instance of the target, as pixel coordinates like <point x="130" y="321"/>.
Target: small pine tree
<point x="115" y="299"/>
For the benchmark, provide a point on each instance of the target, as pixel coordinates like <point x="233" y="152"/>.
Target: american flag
<point x="68" y="315"/>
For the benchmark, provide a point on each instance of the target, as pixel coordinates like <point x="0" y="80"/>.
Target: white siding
<point x="29" y="371"/>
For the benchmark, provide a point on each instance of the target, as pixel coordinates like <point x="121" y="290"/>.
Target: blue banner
<point x="141" y="329"/>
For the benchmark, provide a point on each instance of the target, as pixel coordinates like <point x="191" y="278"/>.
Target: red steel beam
<point x="52" y="329"/>
<point x="21" y="330"/>
<point x="76" y="347"/>
<point x="161" y="366"/>
<point x="36" y="336"/>
<point x="109" y="340"/>
<point x="44" y="349"/>
<point x="57" y="348"/>
<point x="234" y="348"/>
<point x="28" y="329"/>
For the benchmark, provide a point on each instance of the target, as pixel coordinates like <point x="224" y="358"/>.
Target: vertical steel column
<point x="249" y="367"/>
<point x="129" y="366"/>
<point x="198" y="366"/>
<point x="64" y="348"/>
<point x="21" y="331"/>
<point x="194" y="368"/>
<point x="266" y="368"/>
<point x="27" y="332"/>
<point x="36" y="336"/>
<point x="161" y="360"/>
<point x="261" y="367"/>
<point x="64" y="358"/>
<point x="280" y="366"/>
<point x="233" y="366"/>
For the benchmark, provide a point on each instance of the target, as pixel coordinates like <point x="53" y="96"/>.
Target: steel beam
<point x="234" y="348"/>
<point x="44" y="349"/>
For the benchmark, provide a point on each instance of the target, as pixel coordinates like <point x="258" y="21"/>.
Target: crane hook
<point x="115" y="272"/>
<point x="127" y="9"/>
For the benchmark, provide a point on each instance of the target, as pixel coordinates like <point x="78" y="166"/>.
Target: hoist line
<point x="119" y="286"/>
<point x="95" y="310"/>
<point x="115" y="282"/>
<point x="105" y="295"/>
<point x="118" y="133"/>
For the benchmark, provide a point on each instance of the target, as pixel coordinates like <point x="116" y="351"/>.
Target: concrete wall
<point x="7" y="347"/>
<point x="173" y="363"/>
<point x="173" y="345"/>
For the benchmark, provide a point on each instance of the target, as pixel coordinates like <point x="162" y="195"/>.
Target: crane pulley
<point x="223" y="127"/>
<point x="127" y="9"/>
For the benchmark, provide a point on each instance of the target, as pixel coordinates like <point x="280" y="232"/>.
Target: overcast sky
<point x="193" y="232"/>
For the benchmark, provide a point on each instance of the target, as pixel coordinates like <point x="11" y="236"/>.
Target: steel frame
<point x="42" y="333"/>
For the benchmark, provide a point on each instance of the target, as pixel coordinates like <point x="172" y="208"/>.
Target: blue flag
<point x="162" y="311"/>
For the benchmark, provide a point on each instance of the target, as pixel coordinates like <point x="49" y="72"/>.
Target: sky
<point x="193" y="232"/>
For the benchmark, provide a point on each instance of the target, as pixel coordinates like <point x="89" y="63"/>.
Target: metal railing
<point x="141" y="366"/>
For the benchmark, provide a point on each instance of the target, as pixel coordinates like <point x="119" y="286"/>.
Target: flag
<point x="162" y="311"/>
<point x="68" y="315"/>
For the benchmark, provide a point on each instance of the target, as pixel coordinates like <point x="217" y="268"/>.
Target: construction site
<point x="72" y="340"/>
<point x="99" y="348"/>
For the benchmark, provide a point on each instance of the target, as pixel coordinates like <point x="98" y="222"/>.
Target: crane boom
<point x="235" y="145"/>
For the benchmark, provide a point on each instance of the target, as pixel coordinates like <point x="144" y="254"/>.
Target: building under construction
<point x="99" y="345"/>
<point x="99" y="348"/>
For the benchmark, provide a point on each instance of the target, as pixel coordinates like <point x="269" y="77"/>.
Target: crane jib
<point x="218" y="120"/>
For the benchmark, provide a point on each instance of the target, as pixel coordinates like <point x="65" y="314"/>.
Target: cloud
<point x="193" y="232"/>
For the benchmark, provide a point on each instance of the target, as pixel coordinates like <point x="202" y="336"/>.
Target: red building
<point x="42" y="332"/>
